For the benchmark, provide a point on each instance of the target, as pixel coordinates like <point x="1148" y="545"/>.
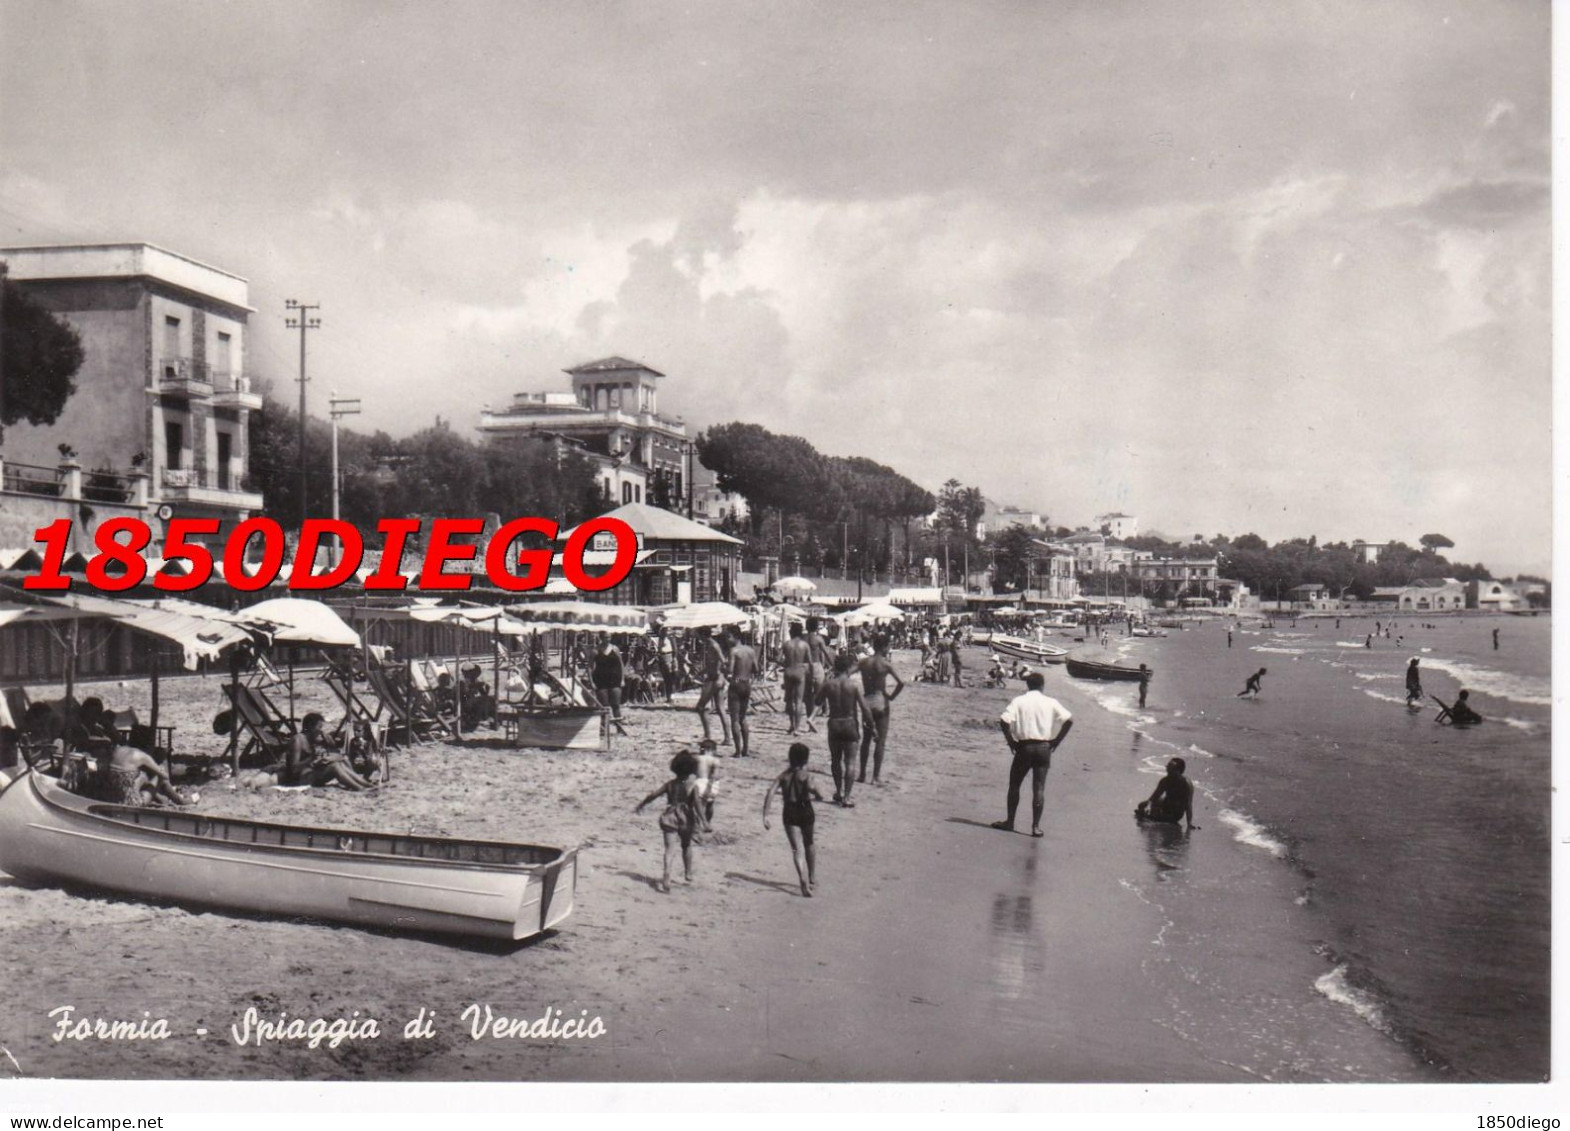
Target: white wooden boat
<point x="478" y="888"/>
<point x="1146" y="630"/>
<point x="1022" y="649"/>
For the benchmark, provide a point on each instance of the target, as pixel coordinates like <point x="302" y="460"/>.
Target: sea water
<point x="1415" y="856"/>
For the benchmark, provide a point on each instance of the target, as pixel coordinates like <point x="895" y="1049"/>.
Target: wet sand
<point x="936" y="948"/>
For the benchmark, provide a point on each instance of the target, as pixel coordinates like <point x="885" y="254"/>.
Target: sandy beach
<point x="936" y="949"/>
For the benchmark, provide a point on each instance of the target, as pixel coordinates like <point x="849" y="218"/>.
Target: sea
<point x="1414" y="856"/>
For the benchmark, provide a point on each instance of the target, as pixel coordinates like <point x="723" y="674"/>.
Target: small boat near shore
<point x="487" y="889"/>
<point x="1094" y="669"/>
<point x="1022" y="649"/>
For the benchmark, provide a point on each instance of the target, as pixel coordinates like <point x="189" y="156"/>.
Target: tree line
<point x="436" y="471"/>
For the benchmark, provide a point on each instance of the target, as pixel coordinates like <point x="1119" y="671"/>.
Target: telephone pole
<point x="303" y="320"/>
<point x="339" y="407"/>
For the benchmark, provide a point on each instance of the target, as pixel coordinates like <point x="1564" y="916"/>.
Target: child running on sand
<point x="1251" y="687"/>
<point x="796" y="788"/>
<point x="683" y="814"/>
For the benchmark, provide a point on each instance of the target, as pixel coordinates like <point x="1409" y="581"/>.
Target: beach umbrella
<point x="704" y="614"/>
<point x="300" y="621"/>
<point x="794" y="585"/>
<point x="877" y="613"/>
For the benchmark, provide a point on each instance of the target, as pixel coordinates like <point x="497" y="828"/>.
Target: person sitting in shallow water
<point x="1173" y="799"/>
<point x="1459" y="713"/>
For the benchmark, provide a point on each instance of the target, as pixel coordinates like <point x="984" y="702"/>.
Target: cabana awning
<point x="200" y="637"/>
<point x="583" y="616"/>
<point x="485" y="618"/>
<point x="704" y="614"/>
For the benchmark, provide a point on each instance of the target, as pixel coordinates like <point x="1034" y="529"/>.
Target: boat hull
<point x="1021" y="649"/>
<point x="55" y="838"/>
<point x="1084" y="669"/>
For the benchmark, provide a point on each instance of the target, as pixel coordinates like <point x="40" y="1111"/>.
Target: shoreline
<point x="934" y="947"/>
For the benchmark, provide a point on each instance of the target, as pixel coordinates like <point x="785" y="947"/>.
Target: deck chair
<point x="422" y="680"/>
<point x="265" y="730"/>
<point x="401" y="727"/>
<point x="264" y="673"/>
<point x="357" y="708"/>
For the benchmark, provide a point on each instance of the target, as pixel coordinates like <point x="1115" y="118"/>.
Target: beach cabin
<point x="679" y="561"/>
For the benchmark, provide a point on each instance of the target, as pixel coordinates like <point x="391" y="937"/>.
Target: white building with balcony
<point x="613" y="412"/>
<point x="162" y="397"/>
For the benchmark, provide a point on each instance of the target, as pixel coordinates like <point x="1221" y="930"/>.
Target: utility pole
<point x="303" y="320"/>
<point x="339" y="408"/>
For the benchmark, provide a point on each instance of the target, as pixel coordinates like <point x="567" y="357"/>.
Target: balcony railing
<point x="184" y="377"/>
<point x="232" y="389"/>
<point x="209" y="486"/>
<point x="31" y="479"/>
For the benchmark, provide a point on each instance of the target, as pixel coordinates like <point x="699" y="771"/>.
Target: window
<point x="174" y="444"/>
<point x="626" y="492"/>
<point x="171" y="337"/>
<point x="225" y="450"/>
<point x="224" y="354"/>
<point x="637" y="494"/>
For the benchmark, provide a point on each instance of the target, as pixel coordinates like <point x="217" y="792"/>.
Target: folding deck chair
<point x="266" y="729"/>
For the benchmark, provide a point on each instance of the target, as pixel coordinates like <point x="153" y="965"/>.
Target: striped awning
<point x="704" y="614"/>
<point x="200" y="636"/>
<point x="582" y="616"/>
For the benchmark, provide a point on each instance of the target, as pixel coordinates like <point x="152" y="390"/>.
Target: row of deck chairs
<point x="397" y="702"/>
<point x="545" y="689"/>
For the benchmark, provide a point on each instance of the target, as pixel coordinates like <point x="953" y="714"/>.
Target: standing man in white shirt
<point x="1033" y="725"/>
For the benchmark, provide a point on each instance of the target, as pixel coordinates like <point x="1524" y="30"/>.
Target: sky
<point x="1273" y="267"/>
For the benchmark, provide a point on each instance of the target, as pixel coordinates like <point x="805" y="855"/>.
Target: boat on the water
<point x="1146" y="630"/>
<point x="488" y="889"/>
<point x="1094" y="669"/>
<point x="1022" y="649"/>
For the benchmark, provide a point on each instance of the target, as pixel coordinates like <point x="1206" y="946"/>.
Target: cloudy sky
<point x="1280" y="267"/>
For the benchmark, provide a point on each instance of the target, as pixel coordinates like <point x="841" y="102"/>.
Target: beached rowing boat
<point x="1022" y="649"/>
<point x="1093" y="669"/>
<point x="413" y="883"/>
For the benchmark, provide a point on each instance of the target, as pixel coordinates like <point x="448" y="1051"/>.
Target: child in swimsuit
<point x="796" y="788"/>
<point x="708" y="762"/>
<point x="683" y="814"/>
